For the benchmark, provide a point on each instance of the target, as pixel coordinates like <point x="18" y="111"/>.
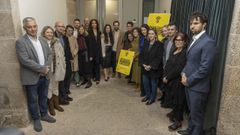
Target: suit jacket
<point x="119" y="43"/>
<point x="200" y="58"/>
<point x="166" y="41"/>
<point x="28" y="58"/>
<point x="152" y="57"/>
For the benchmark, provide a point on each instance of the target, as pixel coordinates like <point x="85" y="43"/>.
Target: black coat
<point x="152" y="57"/>
<point x="172" y="72"/>
<point x="94" y="46"/>
<point x="175" y="65"/>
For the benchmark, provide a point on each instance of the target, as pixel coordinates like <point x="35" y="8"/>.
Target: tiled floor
<point x="110" y="108"/>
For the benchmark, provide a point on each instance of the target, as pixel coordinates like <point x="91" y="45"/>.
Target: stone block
<point x="8" y="51"/>
<point x="7" y="29"/>
<point x="5" y="5"/>
<point x="233" y="51"/>
<point x="14" y="118"/>
<point x="231" y="81"/>
<point x="228" y="123"/>
<point x="10" y="75"/>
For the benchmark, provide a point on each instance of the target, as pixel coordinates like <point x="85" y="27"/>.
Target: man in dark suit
<point x="35" y="58"/>
<point x="196" y="73"/>
<point x="64" y="86"/>
<point x="169" y="47"/>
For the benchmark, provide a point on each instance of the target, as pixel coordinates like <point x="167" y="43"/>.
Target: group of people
<point x="179" y="68"/>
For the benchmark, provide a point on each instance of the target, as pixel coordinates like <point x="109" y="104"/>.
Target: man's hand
<point x="147" y="67"/>
<point x="45" y="70"/>
<point x="184" y="79"/>
<point x="165" y="80"/>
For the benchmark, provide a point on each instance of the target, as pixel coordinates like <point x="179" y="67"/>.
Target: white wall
<point x="46" y="12"/>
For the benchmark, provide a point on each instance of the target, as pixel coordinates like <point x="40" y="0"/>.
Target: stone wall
<point x="229" y="115"/>
<point x="13" y="110"/>
<point x="71" y="10"/>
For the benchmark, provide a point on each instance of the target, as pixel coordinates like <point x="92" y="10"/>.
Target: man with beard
<point x="117" y="46"/>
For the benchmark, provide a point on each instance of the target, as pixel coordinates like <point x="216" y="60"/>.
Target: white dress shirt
<point x="38" y="48"/>
<point x="196" y="37"/>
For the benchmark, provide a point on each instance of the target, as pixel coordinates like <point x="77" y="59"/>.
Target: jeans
<point x="150" y="86"/>
<point x="37" y="98"/>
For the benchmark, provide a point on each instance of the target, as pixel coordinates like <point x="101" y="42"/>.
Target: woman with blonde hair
<point x="58" y="69"/>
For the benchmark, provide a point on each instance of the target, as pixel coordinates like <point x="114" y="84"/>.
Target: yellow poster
<point x="125" y="62"/>
<point x="157" y="21"/>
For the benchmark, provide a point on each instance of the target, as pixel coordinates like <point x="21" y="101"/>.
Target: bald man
<point x="64" y="86"/>
<point x="86" y="23"/>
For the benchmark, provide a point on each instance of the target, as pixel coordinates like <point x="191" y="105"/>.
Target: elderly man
<point x="35" y="58"/>
<point x="64" y="86"/>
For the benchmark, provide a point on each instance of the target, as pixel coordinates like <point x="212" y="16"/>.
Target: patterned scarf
<point x="81" y="42"/>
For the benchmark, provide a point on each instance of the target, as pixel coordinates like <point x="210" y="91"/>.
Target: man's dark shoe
<point x="84" y="82"/>
<point x="68" y="92"/>
<point x="63" y="102"/>
<point x="37" y="125"/>
<point x="183" y="132"/>
<point x="176" y="125"/>
<point x="89" y="84"/>
<point x="145" y="99"/>
<point x="68" y="98"/>
<point x="48" y="118"/>
<point x="150" y="102"/>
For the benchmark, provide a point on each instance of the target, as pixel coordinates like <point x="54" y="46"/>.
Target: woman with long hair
<point x="84" y="63"/>
<point x="107" y="42"/>
<point x="95" y="49"/>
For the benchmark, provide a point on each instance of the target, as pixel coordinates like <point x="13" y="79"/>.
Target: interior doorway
<point x="105" y="11"/>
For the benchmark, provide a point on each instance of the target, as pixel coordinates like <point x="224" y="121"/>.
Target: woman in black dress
<point x="172" y="78"/>
<point x="95" y="49"/>
<point x="84" y="63"/>
<point x="107" y="42"/>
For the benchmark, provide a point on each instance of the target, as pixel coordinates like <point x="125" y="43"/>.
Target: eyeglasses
<point x="178" y="39"/>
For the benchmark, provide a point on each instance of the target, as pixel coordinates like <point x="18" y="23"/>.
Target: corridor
<point x="111" y="108"/>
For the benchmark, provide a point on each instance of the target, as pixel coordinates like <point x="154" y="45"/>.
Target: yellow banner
<point x="125" y="62"/>
<point x="157" y="21"/>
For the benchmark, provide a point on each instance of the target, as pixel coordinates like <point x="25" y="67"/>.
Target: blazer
<point x="152" y="57"/>
<point x="165" y="44"/>
<point x="28" y="58"/>
<point x="200" y="58"/>
<point x="119" y="43"/>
